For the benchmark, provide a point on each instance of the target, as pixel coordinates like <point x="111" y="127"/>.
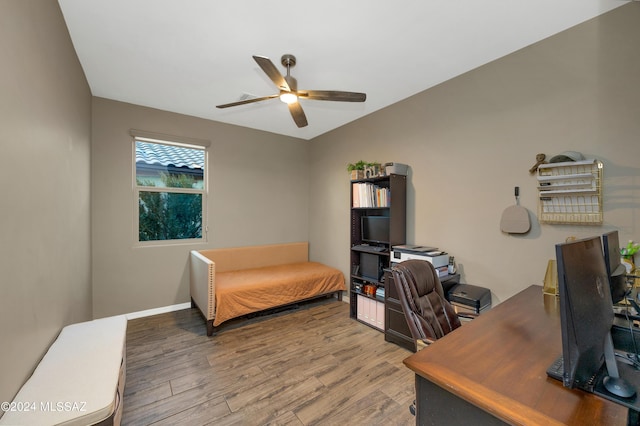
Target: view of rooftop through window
<point x="170" y="184"/>
<point x="154" y="159"/>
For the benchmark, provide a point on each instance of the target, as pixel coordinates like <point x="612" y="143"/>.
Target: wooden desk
<point x="493" y="370"/>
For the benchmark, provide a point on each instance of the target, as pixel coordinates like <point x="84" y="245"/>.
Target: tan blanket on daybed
<point x="251" y="290"/>
<point x="230" y="282"/>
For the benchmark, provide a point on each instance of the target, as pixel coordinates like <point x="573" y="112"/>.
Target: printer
<point x="465" y="298"/>
<point x="432" y="255"/>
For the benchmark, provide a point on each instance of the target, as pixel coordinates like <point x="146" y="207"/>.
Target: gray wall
<point x="45" y="108"/>
<point x="258" y="185"/>
<point x="470" y="140"/>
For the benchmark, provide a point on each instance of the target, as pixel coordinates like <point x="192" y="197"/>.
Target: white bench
<point x="79" y="381"/>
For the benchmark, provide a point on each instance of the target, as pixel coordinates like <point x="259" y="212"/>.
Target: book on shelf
<point x="367" y="194"/>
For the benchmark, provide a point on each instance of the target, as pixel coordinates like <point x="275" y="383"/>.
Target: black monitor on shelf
<point x="375" y="229"/>
<point x="615" y="269"/>
<point x="586" y="316"/>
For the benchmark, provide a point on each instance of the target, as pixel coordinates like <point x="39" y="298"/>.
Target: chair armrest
<point x="423" y="343"/>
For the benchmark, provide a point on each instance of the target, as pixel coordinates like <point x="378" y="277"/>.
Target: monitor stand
<point x="631" y="379"/>
<point x="613" y="382"/>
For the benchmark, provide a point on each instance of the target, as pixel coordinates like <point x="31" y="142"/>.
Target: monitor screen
<point x="615" y="270"/>
<point x="375" y="229"/>
<point x="611" y="245"/>
<point x="586" y="309"/>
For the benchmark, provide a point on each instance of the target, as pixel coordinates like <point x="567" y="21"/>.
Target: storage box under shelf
<point x="370" y="312"/>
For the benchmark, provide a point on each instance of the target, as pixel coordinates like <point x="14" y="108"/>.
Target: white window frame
<point x="138" y="135"/>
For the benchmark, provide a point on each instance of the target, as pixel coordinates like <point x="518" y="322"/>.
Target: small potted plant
<point x="628" y="254"/>
<point x="357" y="170"/>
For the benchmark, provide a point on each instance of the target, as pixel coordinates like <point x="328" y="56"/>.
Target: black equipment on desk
<point x="586" y="314"/>
<point x="616" y="271"/>
<point x="467" y="298"/>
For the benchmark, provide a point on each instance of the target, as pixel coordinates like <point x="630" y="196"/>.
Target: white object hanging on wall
<point x="515" y="219"/>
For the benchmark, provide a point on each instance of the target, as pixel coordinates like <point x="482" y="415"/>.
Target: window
<point x="170" y="190"/>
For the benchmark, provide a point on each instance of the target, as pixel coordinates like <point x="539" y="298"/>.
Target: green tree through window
<point x="170" y="215"/>
<point x="170" y="187"/>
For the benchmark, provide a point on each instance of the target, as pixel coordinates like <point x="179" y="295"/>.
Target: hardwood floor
<point x="310" y="366"/>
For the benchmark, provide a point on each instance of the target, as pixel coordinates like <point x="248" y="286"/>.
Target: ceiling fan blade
<point x="247" y="101"/>
<point x="332" y="95"/>
<point x="298" y="114"/>
<point x="273" y="73"/>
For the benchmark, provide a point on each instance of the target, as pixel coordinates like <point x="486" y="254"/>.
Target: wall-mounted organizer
<point x="570" y="193"/>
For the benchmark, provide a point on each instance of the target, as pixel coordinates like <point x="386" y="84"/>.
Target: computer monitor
<point x="615" y="269"/>
<point x="611" y="245"/>
<point x="375" y="229"/>
<point x="586" y="317"/>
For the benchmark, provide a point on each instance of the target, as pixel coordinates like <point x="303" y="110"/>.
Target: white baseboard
<point x="156" y="311"/>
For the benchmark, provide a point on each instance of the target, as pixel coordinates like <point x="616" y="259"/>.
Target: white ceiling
<point x="187" y="56"/>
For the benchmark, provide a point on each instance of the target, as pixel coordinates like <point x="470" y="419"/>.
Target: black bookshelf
<point x="380" y="196"/>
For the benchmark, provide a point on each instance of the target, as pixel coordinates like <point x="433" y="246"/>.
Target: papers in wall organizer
<point x="570" y="192"/>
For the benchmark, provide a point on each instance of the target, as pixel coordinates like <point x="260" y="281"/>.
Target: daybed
<point x="231" y="282"/>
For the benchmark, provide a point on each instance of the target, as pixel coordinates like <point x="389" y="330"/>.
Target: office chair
<point x="428" y="313"/>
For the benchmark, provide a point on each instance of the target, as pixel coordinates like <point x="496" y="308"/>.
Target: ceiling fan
<point x="289" y="92"/>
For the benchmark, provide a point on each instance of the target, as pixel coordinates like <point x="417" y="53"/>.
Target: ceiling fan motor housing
<point x="288" y="60"/>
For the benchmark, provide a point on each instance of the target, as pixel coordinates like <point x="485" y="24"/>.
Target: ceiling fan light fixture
<point x="289" y="93"/>
<point x="288" y="97"/>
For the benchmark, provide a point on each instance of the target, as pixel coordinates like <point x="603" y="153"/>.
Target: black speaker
<point x="370" y="266"/>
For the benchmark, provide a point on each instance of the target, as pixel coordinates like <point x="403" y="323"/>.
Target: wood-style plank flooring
<point x="309" y="366"/>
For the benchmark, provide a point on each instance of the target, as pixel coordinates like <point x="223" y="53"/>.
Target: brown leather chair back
<point x="428" y="314"/>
